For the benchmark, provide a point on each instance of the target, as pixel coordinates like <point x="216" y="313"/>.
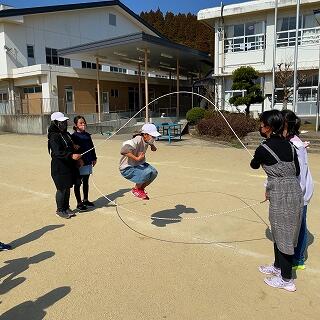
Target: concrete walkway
<point x="111" y="263"/>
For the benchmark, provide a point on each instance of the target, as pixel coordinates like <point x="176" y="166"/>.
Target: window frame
<point x="32" y="89"/>
<point x="2" y="99"/>
<point x="53" y="58"/>
<point x="114" y="93"/>
<point x="245" y="42"/>
<point x="112" y="19"/>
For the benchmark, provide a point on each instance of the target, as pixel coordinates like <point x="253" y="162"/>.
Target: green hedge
<point x="215" y="126"/>
<point x="194" y="115"/>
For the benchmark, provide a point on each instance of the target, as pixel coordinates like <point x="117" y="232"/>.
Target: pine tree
<point x="244" y="78"/>
<point x="182" y="28"/>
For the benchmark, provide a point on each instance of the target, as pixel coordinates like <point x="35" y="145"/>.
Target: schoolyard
<point x="121" y="263"/>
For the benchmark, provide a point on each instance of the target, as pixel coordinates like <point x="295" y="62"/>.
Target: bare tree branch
<point x="285" y="78"/>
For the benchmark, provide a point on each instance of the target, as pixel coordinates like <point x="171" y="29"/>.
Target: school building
<point x="247" y="33"/>
<point x="89" y="58"/>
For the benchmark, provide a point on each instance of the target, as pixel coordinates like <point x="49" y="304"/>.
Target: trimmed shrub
<point x="194" y="115"/>
<point x="210" y="113"/>
<point x="215" y="126"/>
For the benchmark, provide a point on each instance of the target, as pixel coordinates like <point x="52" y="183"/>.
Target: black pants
<point x="85" y="188"/>
<point x="62" y="199"/>
<point x="284" y="262"/>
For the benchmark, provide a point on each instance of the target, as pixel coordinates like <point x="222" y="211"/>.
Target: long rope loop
<point x="168" y="94"/>
<point x="177" y="219"/>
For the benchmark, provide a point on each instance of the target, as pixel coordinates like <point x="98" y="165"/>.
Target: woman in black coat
<point x="64" y="171"/>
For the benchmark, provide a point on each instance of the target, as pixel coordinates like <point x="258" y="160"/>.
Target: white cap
<point x="59" y="116"/>
<point x="151" y="129"/>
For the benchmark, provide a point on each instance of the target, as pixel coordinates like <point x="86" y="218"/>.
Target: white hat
<point x="59" y="116"/>
<point x="151" y="129"/>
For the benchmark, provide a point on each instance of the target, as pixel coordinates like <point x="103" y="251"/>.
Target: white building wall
<point x="260" y="59"/>
<point x="62" y="29"/>
<point x="54" y="30"/>
<point x="269" y="45"/>
<point x="3" y="57"/>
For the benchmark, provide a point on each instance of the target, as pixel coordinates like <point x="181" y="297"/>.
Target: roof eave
<point x="76" y="6"/>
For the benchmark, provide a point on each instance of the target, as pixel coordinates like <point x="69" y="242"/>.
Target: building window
<point x="52" y="58"/>
<point x="34" y="89"/>
<point x="112" y="19"/>
<point x="90" y="65"/>
<point x="118" y="70"/>
<point x="115" y="93"/>
<point x="308" y="33"/>
<point x="307" y="91"/>
<point x="307" y="94"/>
<point x="30" y="50"/>
<point x="286" y="31"/>
<point x="30" y="54"/>
<point x="161" y="76"/>
<point x="137" y="73"/>
<point x="3" y="97"/>
<point x="245" y="37"/>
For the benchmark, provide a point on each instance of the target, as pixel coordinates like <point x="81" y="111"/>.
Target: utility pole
<point x="295" y="72"/>
<point x="318" y="93"/>
<point x="317" y="17"/>
<point x="274" y="54"/>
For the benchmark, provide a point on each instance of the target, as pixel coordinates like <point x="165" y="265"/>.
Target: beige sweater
<point x="135" y="146"/>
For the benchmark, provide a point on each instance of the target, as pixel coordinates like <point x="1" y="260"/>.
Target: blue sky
<point x="136" y="5"/>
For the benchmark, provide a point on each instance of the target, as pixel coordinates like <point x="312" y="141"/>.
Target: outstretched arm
<point x="257" y="159"/>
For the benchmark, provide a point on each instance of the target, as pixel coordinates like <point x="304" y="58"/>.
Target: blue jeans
<point x="140" y="174"/>
<point x="298" y="258"/>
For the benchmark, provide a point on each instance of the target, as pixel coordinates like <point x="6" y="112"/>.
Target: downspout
<point x="222" y="31"/>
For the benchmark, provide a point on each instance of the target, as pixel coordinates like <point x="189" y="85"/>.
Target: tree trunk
<point x="247" y="110"/>
<point x="284" y="104"/>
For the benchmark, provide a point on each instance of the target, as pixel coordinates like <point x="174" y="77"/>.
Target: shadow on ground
<point x="310" y="238"/>
<point x="34" y="235"/>
<point x="166" y="215"/>
<point x="310" y="241"/>
<point x="15" y="267"/>
<point x="103" y="202"/>
<point x="35" y="310"/>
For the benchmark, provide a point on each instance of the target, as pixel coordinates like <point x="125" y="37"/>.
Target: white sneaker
<point x="270" y="269"/>
<point x="278" y="282"/>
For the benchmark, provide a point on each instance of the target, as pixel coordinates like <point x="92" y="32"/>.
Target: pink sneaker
<point x="139" y="193"/>
<point x="145" y="193"/>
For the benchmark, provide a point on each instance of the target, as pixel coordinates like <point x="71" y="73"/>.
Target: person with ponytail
<point x="278" y="158"/>
<point x="291" y="132"/>
<point x="82" y="138"/>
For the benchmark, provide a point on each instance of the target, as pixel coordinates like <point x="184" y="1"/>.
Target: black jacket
<point x="64" y="171"/>
<point x="83" y="139"/>
<point x="281" y="147"/>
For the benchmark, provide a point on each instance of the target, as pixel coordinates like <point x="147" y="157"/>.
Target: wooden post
<point x="98" y="91"/>
<point x="139" y="81"/>
<point x="146" y="87"/>
<point x="170" y="97"/>
<point x="178" y="88"/>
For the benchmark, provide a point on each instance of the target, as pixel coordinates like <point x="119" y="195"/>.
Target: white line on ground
<point x="234" y="247"/>
<point x="41" y="194"/>
<point x="17" y="147"/>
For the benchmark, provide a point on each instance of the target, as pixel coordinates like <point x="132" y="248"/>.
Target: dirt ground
<point x="119" y="263"/>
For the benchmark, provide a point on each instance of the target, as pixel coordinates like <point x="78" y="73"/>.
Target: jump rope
<point x="176" y="219"/>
